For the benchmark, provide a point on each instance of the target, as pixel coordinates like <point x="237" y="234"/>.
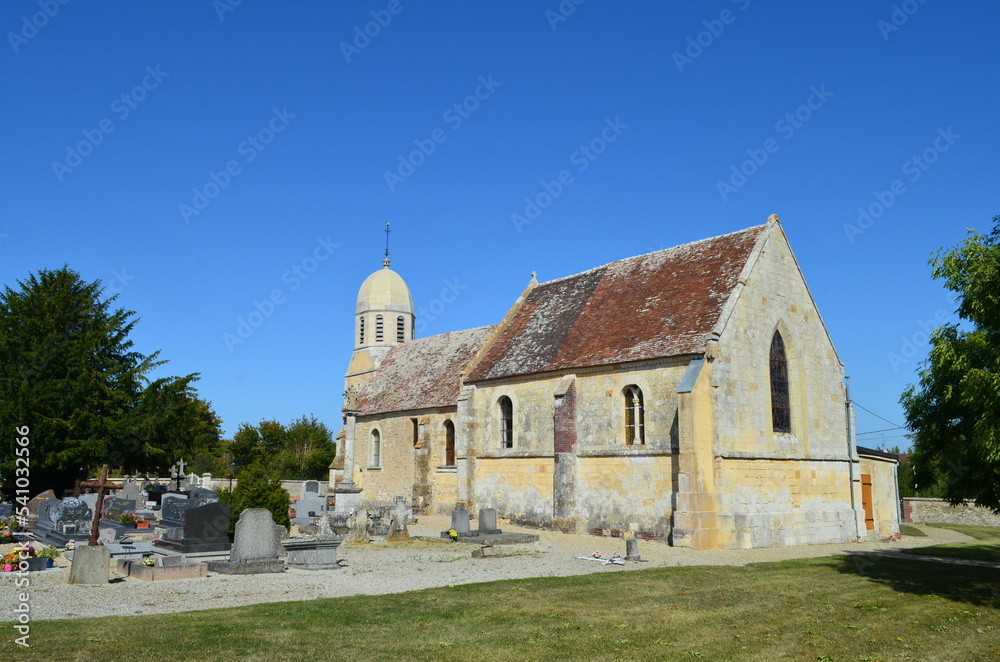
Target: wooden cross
<point x="102" y="485"/>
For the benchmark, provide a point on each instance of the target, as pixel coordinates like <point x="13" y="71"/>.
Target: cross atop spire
<point x="385" y="262"/>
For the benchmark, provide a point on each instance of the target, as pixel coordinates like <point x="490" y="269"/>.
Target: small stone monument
<point x="632" y="550"/>
<point x="488" y="522"/>
<point x="91" y="565"/>
<point x="255" y="549"/>
<point x="397" y="528"/>
<point x="317" y="552"/>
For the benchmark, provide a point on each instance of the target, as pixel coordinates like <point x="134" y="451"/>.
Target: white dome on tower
<point x="385" y="290"/>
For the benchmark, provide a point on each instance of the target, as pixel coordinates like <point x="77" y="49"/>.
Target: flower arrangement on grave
<point x="149" y="562"/>
<point x="70" y="545"/>
<point x="11" y="560"/>
<point x="8" y="525"/>
<point x="597" y="554"/>
<point x="128" y="518"/>
<point x="49" y="553"/>
<point x="453" y="534"/>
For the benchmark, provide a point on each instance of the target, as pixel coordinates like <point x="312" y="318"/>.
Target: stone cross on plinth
<point x="179" y="469"/>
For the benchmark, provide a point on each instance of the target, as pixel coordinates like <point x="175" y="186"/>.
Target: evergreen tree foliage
<point x="257" y="486"/>
<point x="71" y="375"/>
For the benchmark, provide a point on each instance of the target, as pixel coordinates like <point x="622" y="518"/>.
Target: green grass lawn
<point x="828" y="609"/>
<point x="985" y="548"/>
<point x="909" y="530"/>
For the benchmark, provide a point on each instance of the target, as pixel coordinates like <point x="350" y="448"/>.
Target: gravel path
<point x="379" y="568"/>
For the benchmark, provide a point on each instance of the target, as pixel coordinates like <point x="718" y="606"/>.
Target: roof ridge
<point x="662" y="250"/>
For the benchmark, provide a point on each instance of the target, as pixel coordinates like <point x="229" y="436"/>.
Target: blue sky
<point x="200" y="156"/>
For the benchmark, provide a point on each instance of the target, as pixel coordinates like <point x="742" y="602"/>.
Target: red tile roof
<point x="422" y="374"/>
<point x="651" y="306"/>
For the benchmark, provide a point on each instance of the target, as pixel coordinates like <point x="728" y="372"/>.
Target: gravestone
<point x="317" y="552"/>
<point x="90" y="500"/>
<point x="6" y="509"/>
<point x="632" y="550"/>
<point x="33" y="506"/>
<point x="131" y="491"/>
<point x="114" y="507"/>
<point x="400" y="515"/>
<point x="459" y="523"/>
<point x="255" y="549"/>
<point x="166" y="567"/>
<point x="310" y="488"/>
<point x="199" y="496"/>
<point x="308" y="510"/>
<point x="91" y="565"/>
<point x="206" y="529"/>
<point x="156" y="493"/>
<point x="129" y="549"/>
<point x="488" y="521"/>
<point x="62" y="521"/>
<point x="172" y="511"/>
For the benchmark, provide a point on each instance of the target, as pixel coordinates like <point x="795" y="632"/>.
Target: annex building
<point x="691" y="395"/>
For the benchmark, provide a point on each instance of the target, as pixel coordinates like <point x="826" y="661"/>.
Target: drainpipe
<point x="850" y="453"/>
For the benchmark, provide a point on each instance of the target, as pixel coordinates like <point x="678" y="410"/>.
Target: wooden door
<point x="866" y="501"/>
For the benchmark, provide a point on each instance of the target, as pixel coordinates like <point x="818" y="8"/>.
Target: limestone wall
<point x="939" y="511"/>
<point x="769" y="503"/>
<point x="409" y="461"/>
<point x="520" y="488"/>
<point x="626" y="493"/>
<point x="775" y="297"/>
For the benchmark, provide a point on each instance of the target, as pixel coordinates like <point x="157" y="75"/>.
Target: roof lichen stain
<point x="650" y="306"/>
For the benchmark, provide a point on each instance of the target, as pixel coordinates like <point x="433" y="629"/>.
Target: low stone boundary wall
<point x="938" y="511"/>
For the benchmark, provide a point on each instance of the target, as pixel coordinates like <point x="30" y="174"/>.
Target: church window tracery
<point x="781" y="414"/>
<point x="635" y="432"/>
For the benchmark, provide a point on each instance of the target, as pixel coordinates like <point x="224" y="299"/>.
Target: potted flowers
<point x="128" y="519"/>
<point x="50" y="554"/>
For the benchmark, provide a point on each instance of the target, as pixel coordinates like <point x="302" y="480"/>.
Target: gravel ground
<point x="378" y="568"/>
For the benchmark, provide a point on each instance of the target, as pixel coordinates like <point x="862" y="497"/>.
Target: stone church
<point x="691" y="395"/>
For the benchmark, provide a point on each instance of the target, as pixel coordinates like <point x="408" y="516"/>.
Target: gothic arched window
<point x="506" y="422"/>
<point x="781" y="413"/>
<point x="635" y="432"/>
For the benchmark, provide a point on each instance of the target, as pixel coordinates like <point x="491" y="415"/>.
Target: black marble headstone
<point x="206" y="529"/>
<point x="115" y="506"/>
<point x="6" y="509"/>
